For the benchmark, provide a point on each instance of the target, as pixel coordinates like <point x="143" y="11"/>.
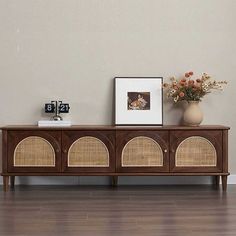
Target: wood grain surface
<point x="105" y="211"/>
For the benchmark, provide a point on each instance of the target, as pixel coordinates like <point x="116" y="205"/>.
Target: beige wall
<point x="72" y="49"/>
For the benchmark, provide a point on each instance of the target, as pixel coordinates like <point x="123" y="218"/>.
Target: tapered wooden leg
<point x="114" y="180"/>
<point x="5" y="183"/>
<point x="216" y="181"/>
<point x="12" y="181"/>
<point x="224" y="182"/>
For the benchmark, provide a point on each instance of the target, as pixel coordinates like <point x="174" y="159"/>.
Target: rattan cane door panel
<point x="88" y="151"/>
<point x="142" y="151"/>
<point x="194" y="151"/>
<point x="34" y="151"/>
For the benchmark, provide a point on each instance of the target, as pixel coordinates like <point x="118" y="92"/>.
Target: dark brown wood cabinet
<point x="142" y="151"/>
<point x="88" y="151"/>
<point x="115" y="151"/>
<point x="33" y="151"/>
<point x="196" y="151"/>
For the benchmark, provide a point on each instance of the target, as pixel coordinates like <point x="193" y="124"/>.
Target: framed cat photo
<point x="138" y="101"/>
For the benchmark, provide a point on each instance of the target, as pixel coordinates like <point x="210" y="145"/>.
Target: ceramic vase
<point x="193" y="115"/>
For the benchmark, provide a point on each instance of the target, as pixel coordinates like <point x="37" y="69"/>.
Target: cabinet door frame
<point x="161" y="137"/>
<point x="214" y="136"/>
<point x="53" y="137"/>
<point x="107" y="137"/>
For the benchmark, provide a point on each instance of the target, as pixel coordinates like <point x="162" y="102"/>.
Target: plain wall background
<point x="72" y="50"/>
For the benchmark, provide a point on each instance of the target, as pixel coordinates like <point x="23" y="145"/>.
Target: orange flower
<point x="187" y="75"/>
<point x="190" y="73"/>
<point x="191" y="82"/>
<point x="181" y="94"/>
<point x="182" y="82"/>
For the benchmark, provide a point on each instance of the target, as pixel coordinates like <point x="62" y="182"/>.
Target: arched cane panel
<point x="196" y="151"/>
<point x="34" y="151"/>
<point x="142" y="152"/>
<point x="88" y="152"/>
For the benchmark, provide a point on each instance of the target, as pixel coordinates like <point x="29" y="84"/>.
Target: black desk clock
<point x="57" y="107"/>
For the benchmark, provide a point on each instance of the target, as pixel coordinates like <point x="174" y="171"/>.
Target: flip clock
<point x="57" y="107"/>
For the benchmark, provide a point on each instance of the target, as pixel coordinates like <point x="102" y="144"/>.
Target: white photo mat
<point x="153" y="115"/>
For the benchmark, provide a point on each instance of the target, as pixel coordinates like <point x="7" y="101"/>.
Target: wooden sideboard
<point x="115" y="151"/>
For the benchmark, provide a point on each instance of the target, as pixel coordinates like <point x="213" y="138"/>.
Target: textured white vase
<point x="193" y="115"/>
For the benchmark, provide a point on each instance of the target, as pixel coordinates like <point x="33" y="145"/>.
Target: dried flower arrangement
<point x="188" y="89"/>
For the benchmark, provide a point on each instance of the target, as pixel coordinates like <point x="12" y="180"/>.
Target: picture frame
<point x="138" y="101"/>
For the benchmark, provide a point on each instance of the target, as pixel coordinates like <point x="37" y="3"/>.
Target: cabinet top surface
<point x="110" y="127"/>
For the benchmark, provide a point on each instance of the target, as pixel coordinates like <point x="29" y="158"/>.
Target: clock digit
<point x="49" y="108"/>
<point x="64" y="108"/>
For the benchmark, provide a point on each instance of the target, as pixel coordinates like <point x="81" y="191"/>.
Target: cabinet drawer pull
<point x="57" y="150"/>
<point x="165" y="150"/>
<point x="64" y="150"/>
